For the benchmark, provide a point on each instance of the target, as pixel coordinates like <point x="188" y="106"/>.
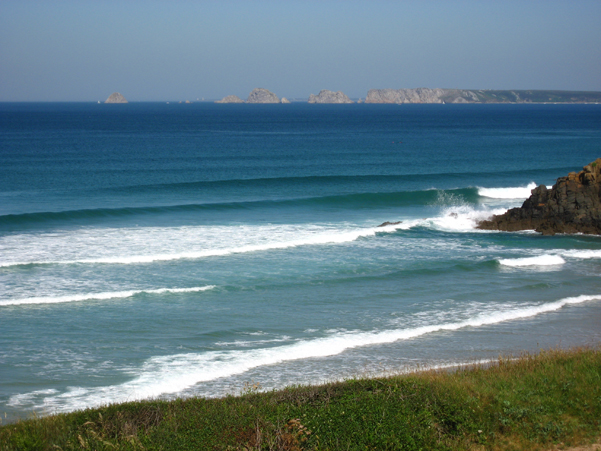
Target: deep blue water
<point x="173" y="250"/>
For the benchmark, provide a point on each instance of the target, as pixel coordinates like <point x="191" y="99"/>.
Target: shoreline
<point x="488" y="406"/>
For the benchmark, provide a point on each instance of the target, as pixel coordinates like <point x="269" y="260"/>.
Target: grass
<point x="534" y="402"/>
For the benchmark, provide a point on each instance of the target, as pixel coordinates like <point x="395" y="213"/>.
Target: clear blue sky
<point x="83" y="50"/>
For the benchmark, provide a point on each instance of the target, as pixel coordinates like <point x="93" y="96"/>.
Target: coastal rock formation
<point x="284" y="100"/>
<point x="427" y="95"/>
<point x="260" y="95"/>
<point x="421" y="95"/>
<point x="572" y="205"/>
<point x="326" y="96"/>
<point x="230" y="99"/>
<point x="116" y="97"/>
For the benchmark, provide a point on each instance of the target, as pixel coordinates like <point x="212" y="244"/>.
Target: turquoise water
<point x="155" y="250"/>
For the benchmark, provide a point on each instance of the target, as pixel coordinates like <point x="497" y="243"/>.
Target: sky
<point x="150" y="50"/>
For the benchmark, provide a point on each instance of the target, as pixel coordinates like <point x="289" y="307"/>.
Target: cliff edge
<point x="572" y="205"/>
<point x="116" y="97"/>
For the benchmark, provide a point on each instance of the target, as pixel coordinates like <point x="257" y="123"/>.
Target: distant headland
<point x="416" y="95"/>
<point x="429" y="95"/>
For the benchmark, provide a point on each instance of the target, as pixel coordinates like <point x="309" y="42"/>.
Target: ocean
<point x="154" y="250"/>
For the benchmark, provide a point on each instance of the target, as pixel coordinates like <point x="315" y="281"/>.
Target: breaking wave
<point x="173" y="374"/>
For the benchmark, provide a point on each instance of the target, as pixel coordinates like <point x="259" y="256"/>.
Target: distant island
<point x="257" y="95"/>
<point x="230" y="99"/>
<point x="326" y="96"/>
<point x="116" y="97"/>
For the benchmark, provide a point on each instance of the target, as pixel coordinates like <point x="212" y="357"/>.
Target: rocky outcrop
<point x="284" y="100"/>
<point x="426" y="95"/>
<point x="572" y="205"/>
<point x="116" y="97"/>
<point x="260" y="95"/>
<point x="326" y="96"/>
<point x="422" y="95"/>
<point x="230" y="99"/>
<point x="419" y="95"/>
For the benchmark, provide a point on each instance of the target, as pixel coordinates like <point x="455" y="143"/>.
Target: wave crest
<point x="541" y="260"/>
<point x="98" y="296"/>
<point x="522" y="192"/>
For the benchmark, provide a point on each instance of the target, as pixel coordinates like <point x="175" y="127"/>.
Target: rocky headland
<point x="572" y="205"/>
<point x="438" y="95"/>
<point x="260" y="95"/>
<point x="230" y="99"/>
<point x="428" y="95"/>
<point x="421" y="95"/>
<point x="326" y="96"/>
<point x="116" y="97"/>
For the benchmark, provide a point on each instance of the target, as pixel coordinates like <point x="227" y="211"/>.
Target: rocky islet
<point x="116" y="97"/>
<point x="326" y="96"/>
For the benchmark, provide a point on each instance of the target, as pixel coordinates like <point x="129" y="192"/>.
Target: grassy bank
<point x="534" y="402"/>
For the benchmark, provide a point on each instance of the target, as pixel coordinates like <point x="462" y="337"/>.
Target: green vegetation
<point x="535" y="402"/>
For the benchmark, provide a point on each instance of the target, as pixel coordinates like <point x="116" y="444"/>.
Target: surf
<point x="98" y="296"/>
<point x="172" y="374"/>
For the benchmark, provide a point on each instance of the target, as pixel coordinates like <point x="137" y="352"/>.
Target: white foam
<point x="175" y="373"/>
<point x="98" y="296"/>
<point x="461" y="218"/>
<point x="540" y="260"/>
<point x="146" y="245"/>
<point x="582" y="254"/>
<point x="520" y="192"/>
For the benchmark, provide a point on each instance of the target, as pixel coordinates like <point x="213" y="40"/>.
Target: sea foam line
<point x="175" y="373"/>
<point x="551" y="259"/>
<point x="333" y="237"/>
<point x="520" y="192"/>
<point x="98" y="296"/>
<point x="540" y="260"/>
<point x="582" y="253"/>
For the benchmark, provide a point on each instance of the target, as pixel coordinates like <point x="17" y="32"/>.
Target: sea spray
<point x="507" y="193"/>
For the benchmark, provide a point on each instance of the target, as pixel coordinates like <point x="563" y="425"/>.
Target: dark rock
<point x="384" y="224"/>
<point x="573" y="205"/>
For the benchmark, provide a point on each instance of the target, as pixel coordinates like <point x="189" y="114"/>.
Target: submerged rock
<point x="572" y="205"/>
<point x="387" y="223"/>
<point x="260" y="95"/>
<point x="116" y="97"/>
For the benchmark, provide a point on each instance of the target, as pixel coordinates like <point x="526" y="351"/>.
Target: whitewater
<point x="143" y="255"/>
